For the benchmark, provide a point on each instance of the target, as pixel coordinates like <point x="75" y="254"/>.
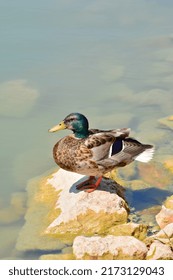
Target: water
<point x="110" y="60"/>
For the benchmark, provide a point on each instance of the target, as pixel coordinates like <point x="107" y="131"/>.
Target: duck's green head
<point x="76" y="122"/>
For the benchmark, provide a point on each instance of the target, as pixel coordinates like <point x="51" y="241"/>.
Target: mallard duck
<point x="94" y="152"/>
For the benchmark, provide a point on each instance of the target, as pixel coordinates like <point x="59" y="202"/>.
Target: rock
<point x="165" y="236"/>
<point x="85" y="213"/>
<point x="166" y="232"/>
<point x="8" y="238"/>
<point x="57" y="212"/>
<point x="15" y="211"/>
<point x="147" y="215"/>
<point x="154" y="96"/>
<point x="18" y="202"/>
<point x="40" y="212"/>
<point x="161" y="176"/>
<point x="128" y="172"/>
<point x="17" y="98"/>
<point x="137" y="230"/>
<point x="159" y="251"/>
<point x="167" y="121"/>
<point x="8" y="215"/>
<point x="156" y="135"/>
<point x="169" y="202"/>
<point x="164" y="217"/>
<point x="168" y="163"/>
<point x="109" y="247"/>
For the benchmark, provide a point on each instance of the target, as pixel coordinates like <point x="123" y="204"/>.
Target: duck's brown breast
<point x="71" y="154"/>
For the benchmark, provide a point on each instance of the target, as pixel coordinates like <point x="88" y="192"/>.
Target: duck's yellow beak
<point x="60" y="126"/>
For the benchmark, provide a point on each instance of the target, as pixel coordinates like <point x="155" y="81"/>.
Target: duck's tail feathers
<point x="146" y="155"/>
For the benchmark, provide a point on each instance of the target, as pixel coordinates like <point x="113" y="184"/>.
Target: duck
<point x="95" y="152"/>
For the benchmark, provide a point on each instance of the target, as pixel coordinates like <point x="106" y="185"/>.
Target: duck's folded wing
<point x="129" y="149"/>
<point x="100" y="143"/>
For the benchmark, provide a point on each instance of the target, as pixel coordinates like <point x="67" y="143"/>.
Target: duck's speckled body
<point x="94" y="152"/>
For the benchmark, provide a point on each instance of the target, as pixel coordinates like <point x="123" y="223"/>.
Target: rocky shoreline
<point x="72" y="224"/>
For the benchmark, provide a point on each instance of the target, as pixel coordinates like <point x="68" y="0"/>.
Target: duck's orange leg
<point x="88" y="185"/>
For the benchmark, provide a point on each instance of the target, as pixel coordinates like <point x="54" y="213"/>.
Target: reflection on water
<point x="100" y="59"/>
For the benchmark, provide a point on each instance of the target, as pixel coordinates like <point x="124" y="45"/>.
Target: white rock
<point x="127" y="246"/>
<point x="73" y="202"/>
<point x="164" y="217"/>
<point x="166" y="232"/>
<point x="159" y="251"/>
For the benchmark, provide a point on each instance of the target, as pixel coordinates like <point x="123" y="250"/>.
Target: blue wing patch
<point x="117" y="146"/>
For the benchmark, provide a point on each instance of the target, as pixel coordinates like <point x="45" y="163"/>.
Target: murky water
<point x="110" y="60"/>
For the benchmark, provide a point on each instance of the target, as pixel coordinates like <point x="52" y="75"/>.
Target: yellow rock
<point x="8" y="215"/>
<point x="169" y="202"/>
<point x="40" y="213"/>
<point x="16" y="209"/>
<point x="167" y="121"/>
<point x="137" y="230"/>
<point x="170" y="118"/>
<point x="88" y="224"/>
<point x="18" y="202"/>
<point x="168" y="163"/>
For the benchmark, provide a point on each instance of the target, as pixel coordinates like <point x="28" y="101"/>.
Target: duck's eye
<point x="70" y="119"/>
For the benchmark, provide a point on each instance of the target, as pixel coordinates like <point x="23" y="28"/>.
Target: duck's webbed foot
<point x="88" y="185"/>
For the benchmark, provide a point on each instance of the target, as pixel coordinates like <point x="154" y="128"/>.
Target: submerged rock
<point x="16" y="209"/>
<point x="109" y="247"/>
<point x="85" y="213"/>
<point x="147" y="215"/>
<point x="156" y="135"/>
<point x="8" y="238"/>
<point x="137" y="230"/>
<point x="41" y="211"/>
<point x="162" y="177"/>
<point x="17" y="98"/>
<point x="167" y="122"/>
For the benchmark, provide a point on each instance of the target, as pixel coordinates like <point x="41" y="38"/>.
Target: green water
<point x="110" y="60"/>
